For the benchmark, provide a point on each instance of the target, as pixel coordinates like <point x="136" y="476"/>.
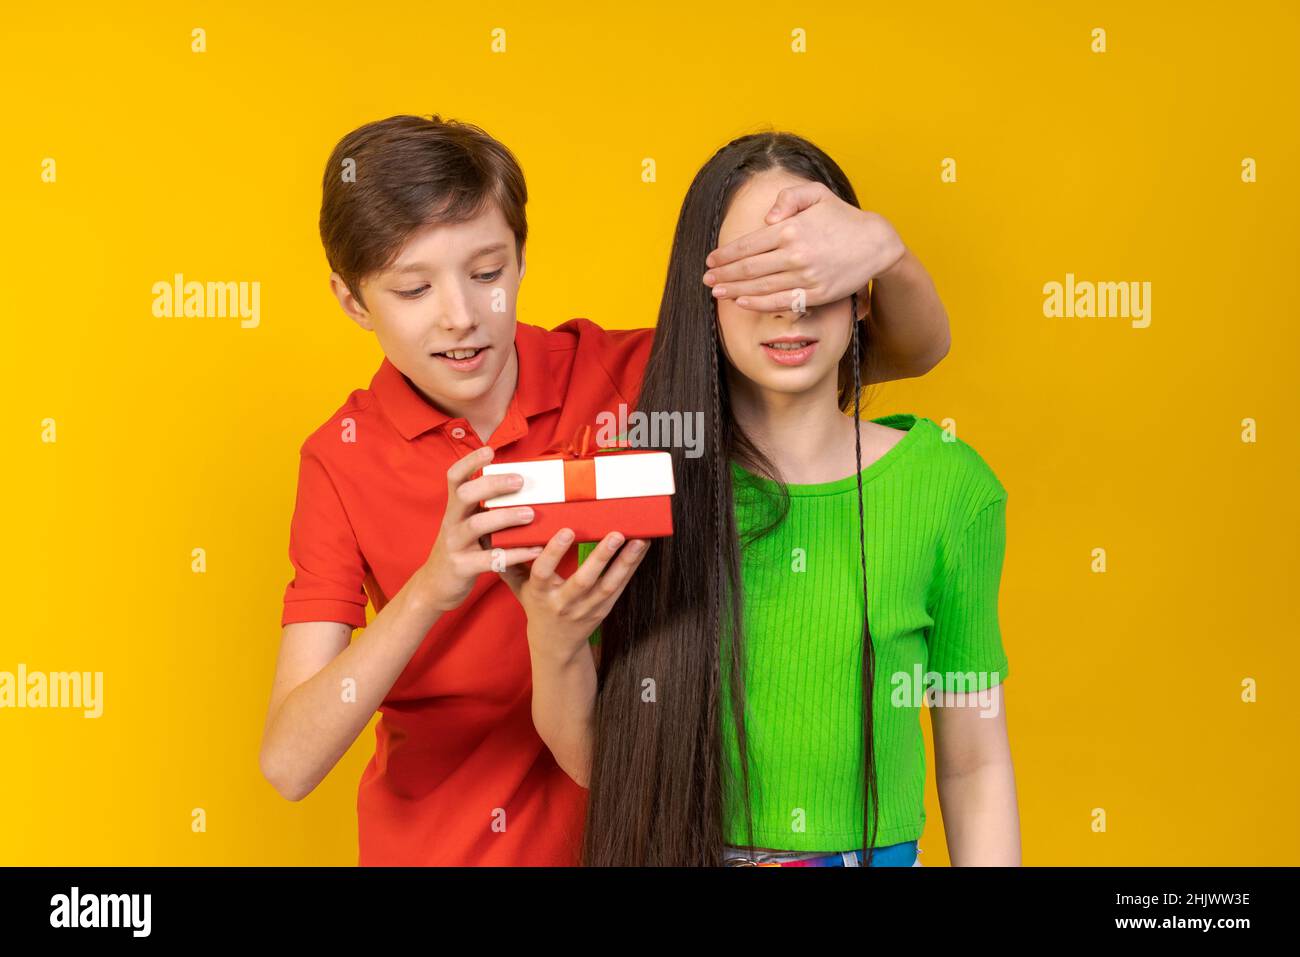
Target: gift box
<point x="606" y="490"/>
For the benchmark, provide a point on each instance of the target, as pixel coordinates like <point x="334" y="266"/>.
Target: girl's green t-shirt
<point x="935" y="529"/>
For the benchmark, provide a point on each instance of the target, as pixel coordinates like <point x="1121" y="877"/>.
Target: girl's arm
<point x="977" y="784"/>
<point x="562" y="614"/>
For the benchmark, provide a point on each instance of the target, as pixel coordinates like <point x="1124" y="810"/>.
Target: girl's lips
<point x="791" y="357"/>
<point x="464" y="365"/>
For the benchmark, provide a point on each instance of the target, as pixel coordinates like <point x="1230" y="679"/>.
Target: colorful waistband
<point x="893" y="854"/>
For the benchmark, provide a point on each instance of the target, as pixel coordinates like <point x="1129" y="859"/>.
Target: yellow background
<point x="183" y="433"/>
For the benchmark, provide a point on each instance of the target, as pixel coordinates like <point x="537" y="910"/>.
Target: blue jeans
<point x="903" y="854"/>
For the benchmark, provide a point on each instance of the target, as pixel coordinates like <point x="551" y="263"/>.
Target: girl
<point x="757" y="697"/>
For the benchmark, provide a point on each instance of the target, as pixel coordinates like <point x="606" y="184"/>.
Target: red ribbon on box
<point x="579" y="469"/>
<point x="581" y="510"/>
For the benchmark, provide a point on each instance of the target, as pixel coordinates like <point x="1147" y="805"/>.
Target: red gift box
<point x="610" y="489"/>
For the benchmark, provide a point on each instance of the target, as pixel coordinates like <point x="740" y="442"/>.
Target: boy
<point x="426" y="243"/>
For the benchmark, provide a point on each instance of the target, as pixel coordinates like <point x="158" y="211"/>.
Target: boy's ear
<point x="355" y="310"/>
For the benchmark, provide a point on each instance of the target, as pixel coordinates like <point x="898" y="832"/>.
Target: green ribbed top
<point x="935" y="527"/>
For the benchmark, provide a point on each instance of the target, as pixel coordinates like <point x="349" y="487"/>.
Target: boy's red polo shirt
<point x="459" y="775"/>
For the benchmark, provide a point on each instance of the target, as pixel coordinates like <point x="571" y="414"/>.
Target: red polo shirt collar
<point x="538" y="389"/>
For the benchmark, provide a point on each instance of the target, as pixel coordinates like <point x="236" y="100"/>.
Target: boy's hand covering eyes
<point x="562" y="613"/>
<point x="814" y="242"/>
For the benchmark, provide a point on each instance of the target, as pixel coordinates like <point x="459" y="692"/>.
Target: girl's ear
<point x="863" y="304"/>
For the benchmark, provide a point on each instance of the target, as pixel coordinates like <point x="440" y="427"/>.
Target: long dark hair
<point x="657" y="778"/>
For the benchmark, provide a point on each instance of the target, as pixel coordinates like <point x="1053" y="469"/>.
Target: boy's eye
<point x="420" y="290"/>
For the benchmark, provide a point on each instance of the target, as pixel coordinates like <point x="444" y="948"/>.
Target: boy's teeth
<point x="461" y="353"/>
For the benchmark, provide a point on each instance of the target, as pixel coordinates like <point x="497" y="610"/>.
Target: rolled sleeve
<point x="329" y="570"/>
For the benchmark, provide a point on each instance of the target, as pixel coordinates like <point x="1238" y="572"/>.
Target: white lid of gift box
<point x="618" y="475"/>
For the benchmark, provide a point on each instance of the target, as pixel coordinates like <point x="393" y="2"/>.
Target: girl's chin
<point x="790" y="380"/>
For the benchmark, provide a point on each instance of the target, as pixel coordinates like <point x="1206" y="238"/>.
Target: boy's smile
<point x="464" y="360"/>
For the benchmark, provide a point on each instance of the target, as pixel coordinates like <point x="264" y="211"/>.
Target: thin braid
<point x="721" y="475"/>
<point x="868" y="655"/>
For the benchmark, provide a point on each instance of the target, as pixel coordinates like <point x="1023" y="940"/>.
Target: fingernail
<point x="614" y="542"/>
<point x="526" y="513"/>
<point x="709" y="279"/>
<point x="516" y="480"/>
<point x="566" y="535"/>
<point x="719" y="291"/>
<point x="742" y="301"/>
<point x="636" y="546"/>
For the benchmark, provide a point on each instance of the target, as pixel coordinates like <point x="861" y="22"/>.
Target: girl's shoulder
<point x="879" y="438"/>
<point x="946" y="461"/>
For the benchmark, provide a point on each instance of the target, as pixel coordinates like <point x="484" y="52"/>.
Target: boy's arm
<point x="562" y="614"/>
<point x="818" y="245"/>
<point x="310" y="721"/>
<point x="328" y="687"/>
<point x="908" y="323"/>
<point x="564" y="703"/>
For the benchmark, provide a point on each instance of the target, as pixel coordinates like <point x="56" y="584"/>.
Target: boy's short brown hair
<point x="408" y="172"/>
